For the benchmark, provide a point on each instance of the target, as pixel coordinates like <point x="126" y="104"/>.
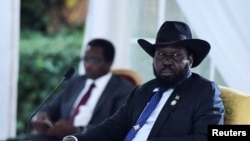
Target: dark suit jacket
<point x="199" y="105"/>
<point x="113" y="96"/>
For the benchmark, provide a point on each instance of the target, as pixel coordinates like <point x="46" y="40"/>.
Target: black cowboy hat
<point x="178" y="34"/>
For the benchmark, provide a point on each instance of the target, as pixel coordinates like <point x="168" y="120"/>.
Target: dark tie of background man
<point x="82" y="102"/>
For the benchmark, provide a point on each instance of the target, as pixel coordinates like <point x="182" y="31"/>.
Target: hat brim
<point x="198" y="47"/>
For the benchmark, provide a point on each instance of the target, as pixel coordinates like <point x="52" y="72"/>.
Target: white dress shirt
<point x="86" y="111"/>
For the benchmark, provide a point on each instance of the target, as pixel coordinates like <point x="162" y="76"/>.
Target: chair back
<point x="130" y="75"/>
<point x="237" y="106"/>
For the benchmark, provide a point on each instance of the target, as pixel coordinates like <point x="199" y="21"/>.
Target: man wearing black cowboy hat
<point x="178" y="105"/>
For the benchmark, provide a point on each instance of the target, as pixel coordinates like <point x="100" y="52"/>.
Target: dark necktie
<point x="82" y="102"/>
<point x="145" y="114"/>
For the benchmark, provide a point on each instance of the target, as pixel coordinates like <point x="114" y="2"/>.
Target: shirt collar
<point x="101" y="80"/>
<point x="157" y="89"/>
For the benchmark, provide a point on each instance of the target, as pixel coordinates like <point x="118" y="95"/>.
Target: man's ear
<point x="191" y="59"/>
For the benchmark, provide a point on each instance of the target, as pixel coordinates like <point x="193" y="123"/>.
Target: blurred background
<point x="41" y="40"/>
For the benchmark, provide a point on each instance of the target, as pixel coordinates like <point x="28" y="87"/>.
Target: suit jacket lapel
<point x="74" y="95"/>
<point x="166" y="110"/>
<point x="170" y="105"/>
<point x="105" y="94"/>
<point x="140" y="103"/>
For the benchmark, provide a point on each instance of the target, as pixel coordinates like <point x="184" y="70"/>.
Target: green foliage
<point x="43" y="62"/>
<point x="38" y="14"/>
<point x="34" y="14"/>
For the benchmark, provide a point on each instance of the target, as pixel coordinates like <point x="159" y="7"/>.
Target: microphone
<point x="69" y="73"/>
<point x="67" y="76"/>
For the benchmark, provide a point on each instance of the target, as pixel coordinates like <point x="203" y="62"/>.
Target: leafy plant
<point x="43" y="62"/>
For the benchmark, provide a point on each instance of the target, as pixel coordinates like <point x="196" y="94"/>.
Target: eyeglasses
<point x="93" y="60"/>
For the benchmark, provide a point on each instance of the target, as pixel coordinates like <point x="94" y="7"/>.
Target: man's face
<point x="95" y="64"/>
<point x="171" y="64"/>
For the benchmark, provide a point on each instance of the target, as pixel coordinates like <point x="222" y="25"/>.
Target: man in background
<point x="86" y="100"/>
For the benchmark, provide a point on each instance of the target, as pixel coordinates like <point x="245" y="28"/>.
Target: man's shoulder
<point x="148" y="85"/>
<point x="75" y="81"/>
<point x="198" y="77"/>
<point x="119" y="86"/>
<point x="120" y="79"/>
<point x="201" y="81"/>
<point x="77" y="78"/>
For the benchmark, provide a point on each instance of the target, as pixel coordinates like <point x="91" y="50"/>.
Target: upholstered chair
<point x="237" y="106"/>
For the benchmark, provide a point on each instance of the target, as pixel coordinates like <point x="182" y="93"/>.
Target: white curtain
<point x="103" y="22"/>
<point x="222" y="23"/>
<point x="225" y="24"/>
<point x="9" y="38"/>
